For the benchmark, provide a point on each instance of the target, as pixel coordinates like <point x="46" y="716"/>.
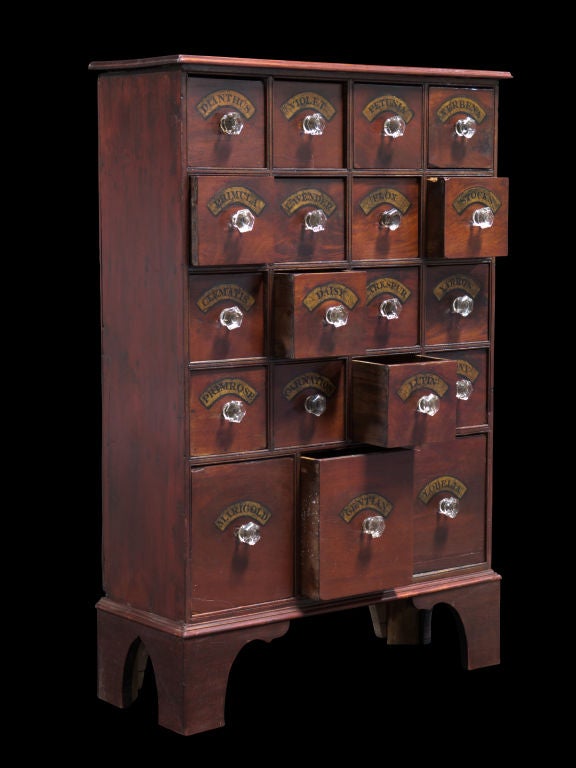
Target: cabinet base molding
<point x="191" y="662"/>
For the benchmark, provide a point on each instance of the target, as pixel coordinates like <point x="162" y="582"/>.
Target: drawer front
<point x="226" y="318"/>
<point x="450" y="504"/>
<point x="471" y="386"/>
<point x="308" y="125"/>
<point x="319" y="314"/>
<point x="226" y="121"/>
<point x="467" y="217"/>
<point x="392" y="303"/>
<point x="385" y="218"/>
<point x="310" y="220"/>
<point x="387" y="126"/>
<point x="228" y="410"/>
<point x="457" y="300"/>
<point x="402" y="401"/>
<point x="232" y="220"/>
<point x="242" y="534"/>
<point x="309" y="403"/>
<point x="461" y="127"/>
<point x="356" y="523"/>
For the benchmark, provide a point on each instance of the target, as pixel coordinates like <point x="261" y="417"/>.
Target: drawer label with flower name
<point x="330" y="292"/>
<point x="307" y="100"/>
<point x="225" y="292"/>
<point x="366" y="502"/>
<point x="225" y="98"/>
<point x="381" y="285"/>
<point x="246" y="508"/>
<point x="459" y="104"/>
<point x="384" y="195"/>
<point x="441" y="485"/>
<point x="454" y="283"/>
<point x="306" y="381"/>
<point x="473" y="196"/>
<point x="228" y="386"/>
<point x="418" y="381"/>
<point x="387" y="103"/>
<point x="236" y="195"/>
<point x="308" y="196"/>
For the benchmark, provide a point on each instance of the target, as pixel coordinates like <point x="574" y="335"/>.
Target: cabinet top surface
<point x="277" y="65"/>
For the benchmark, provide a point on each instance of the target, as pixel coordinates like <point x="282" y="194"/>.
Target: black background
<point x="329" y="684"/>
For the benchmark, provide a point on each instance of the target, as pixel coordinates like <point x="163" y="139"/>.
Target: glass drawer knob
<point x="390" y="219"/>
<point x="483" y="218"/>
<point x="465" y="127"/>
<point x="391" y="308"/>
<point x="394" y="127"/>
<point x="429" y="404"/>
<point x="315" y="221"/>
<point x="314" y="125"/>
<point x="231" y="318"/>
<point x="234" y="411"/>
<point x="463" y="305"/>
<point x="231" y="123"/>
<point x="243" y="220"/>
<point x="315" y="404"/>
<point x="448" y="507"/>
<point x="374" y="526"/>
<point x="337" y="316"/>
<point x="248" y="533"/>
<point x="464" y="389"/>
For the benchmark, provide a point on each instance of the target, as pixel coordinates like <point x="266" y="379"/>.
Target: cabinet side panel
<point x="143" y="282"/>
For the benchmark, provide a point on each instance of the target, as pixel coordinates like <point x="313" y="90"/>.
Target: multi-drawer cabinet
<point x="298" y="269"/>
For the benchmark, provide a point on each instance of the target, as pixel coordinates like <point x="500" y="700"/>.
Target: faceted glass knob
<point x="315" y="221"/>
<point x="231" y="318"/>
<point x="314" y="125"/>
<point x="483" y="218"/>
<point x="390" y="219"/>
<point x="231" y="123"/>
<point x="465" y="127"/>
<point x="448" y="506"/>
<point x="243" y="220"/>
<point x="464" y="389"/>
<point x="429" y="404"/>
<point x="374" y="526"/>
<point x="315" y="404"/>
<point x="463" y="305"/>
<point x="234" y="411"/>
<point x="337" y="316"/>
<point x="391" y="308"/>
<point x="394" y="127"/>
<point x="249" y="533"/>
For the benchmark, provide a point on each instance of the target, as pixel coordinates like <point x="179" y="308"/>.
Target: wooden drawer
<point x="228" y="410"/>
<point x="226" y="319"/>
<point x="319" y="314"/>
<point x="457" y="301"/>
<point x="342" y="499"/>
<point x="454" y="114"/>
<point x="392" y="314"/>
<point x="308" y="125"/>
<point x="387" y="126"/>
<point x="233" y="505"/>
<point x="309" y="403"/>
<point x="467" y="217"/>
<point x="226" y="120"/>
<point x="233" y="220"/>
<point x="310" y="220"/>
<point x="472" y="386"/>
<point x="450" y="478"/>
<point x="402" y="400"/>
<point x="385" y="218"/>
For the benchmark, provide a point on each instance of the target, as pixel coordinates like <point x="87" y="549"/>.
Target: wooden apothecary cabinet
<point x="297" y="277"/>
